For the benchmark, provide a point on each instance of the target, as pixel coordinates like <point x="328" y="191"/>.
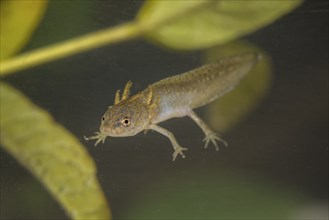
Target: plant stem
<point x="71" y="47"/>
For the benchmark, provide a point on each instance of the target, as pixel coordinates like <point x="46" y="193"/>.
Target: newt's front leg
<point x="99" y="137"/>
<point x="178" y="149"/>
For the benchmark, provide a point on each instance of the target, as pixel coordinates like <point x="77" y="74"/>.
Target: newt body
<point x="174" y="96"/>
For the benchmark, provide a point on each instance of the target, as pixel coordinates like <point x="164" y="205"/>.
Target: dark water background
<point x="283" y="142"/>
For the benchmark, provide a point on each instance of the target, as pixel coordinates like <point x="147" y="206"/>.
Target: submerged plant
<point x="48" y="150"/>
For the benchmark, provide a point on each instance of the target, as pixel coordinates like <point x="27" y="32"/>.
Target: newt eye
<point x="125" y="121"/>
<point x="103" y="118"/>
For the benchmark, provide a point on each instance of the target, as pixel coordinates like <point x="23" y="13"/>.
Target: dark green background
<point x="277" y="159"/>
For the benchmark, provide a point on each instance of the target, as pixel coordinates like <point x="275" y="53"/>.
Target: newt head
<point x="124" y="119"/>
<point x="127" y="117"/>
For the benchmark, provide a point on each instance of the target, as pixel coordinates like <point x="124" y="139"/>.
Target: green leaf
<point x="200" y="24"/>
<point x="18" y="20"/>
<point x="230" y="109"/>
<point x="52" y="154"/>
<point x="200" y="194"/>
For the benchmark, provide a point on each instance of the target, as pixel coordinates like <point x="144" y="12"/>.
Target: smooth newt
<point x="174" y="96"/>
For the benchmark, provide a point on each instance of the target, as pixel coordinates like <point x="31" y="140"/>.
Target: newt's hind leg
<point x="210" y="135"/>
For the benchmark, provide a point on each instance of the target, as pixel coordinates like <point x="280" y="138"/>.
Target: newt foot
<point x="178" y="150"/>
<point x="100" y="137"/>
<point x="213" y="137"/>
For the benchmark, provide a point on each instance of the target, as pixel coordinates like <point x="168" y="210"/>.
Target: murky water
<point x="277" y="152"/>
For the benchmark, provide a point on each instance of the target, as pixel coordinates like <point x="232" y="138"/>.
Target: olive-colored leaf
<point x="18" y="20"/>
<point x="52" y="154"/>
<point x="228" y="110"/>
<point x="188" y="25"/>
<point x="215" y="195"/>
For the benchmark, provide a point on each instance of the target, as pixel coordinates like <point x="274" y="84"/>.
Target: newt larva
<point x="172" y="97"/>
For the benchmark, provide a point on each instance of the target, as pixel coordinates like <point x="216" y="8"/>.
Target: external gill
<point x="125" y="94"/>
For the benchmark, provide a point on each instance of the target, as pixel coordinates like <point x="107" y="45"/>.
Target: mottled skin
<point x="174" y="96"/>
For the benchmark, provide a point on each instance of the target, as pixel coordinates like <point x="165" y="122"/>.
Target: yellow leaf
<point x="18" y="20"/>
<point x="200" y="24"/>
<point x="52" y="154"/>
